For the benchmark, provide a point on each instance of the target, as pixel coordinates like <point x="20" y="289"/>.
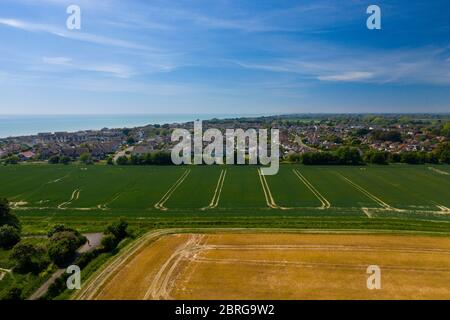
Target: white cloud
<point x="57" y="60"/>
<point x="75" y="35"/>
<point x="116" y="70"/>
<point x="347" y="76"/>
<point x="422" y="65"/>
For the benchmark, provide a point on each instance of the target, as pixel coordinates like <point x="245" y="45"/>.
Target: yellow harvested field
<point x="281" y="266"/>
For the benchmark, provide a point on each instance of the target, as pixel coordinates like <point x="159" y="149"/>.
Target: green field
<point x="396" y="196"/>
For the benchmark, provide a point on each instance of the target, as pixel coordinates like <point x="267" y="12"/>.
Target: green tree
<point x="349" y="156"/>
<point x="376" y="157"/>
<point x="9" y="236"/>
<point x="28" y="258"/>
<point x="64" y="160"/>
<point x="53" y="160"/>
<point x="12" y="160"/>
<point x="86" y="158"/>
<point x="6" y="216"/>
<point x="62" y="251"/>
<point x="63" y="246"/>
<point x="118" y="229"/>
<point x="446" y="130"/>
<point x="131" y="141"/>
<point x="445" y="157"/>
<point x="109" y="242"/>
<point x="14" y="293"/>
<point x="122" y="161"/>
<point x="410" y="157"/>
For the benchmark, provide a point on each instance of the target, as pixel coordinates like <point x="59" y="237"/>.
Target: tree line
<point x="353" y="156"/>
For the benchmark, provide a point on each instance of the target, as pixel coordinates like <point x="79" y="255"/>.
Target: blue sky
<point x="223" y="57"/>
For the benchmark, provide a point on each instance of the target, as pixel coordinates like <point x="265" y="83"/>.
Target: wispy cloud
<point x="75" y="35"/>
<point x="117" y="70"/>
<point x="421" y="66"/>
<point x="347" y="76"/>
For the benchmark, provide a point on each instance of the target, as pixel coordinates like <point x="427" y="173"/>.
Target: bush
<point x="294" y="157"/>
<point x="410" y="158"/>
<point x="393" y="135"/>
<point x="319" y="158"/>
<point x="6" y="216"/>
<point x="62" y="252"/>
<point x="349" y="156"/>
<point x="29" y="258"/>
<point x="12" y="160"/>
<point x="376" y="157"/>
<point x="395" y="157"/>
<point x="445" y="157"/>
<point x="86" y="158"/>
<point x="109" y="242"/>
<point x="53" y="160"/>
<point x="64" y="160"/>
<point x="118" y="229"/>
<point x="14" y="293"/>
<point x="122" y="161"/>
<point x="63" y="246"/>
<point x="9" y="237"/>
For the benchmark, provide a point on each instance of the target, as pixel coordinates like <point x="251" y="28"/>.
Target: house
<point x="142" y="149"/>
<point x="26" y="155"/>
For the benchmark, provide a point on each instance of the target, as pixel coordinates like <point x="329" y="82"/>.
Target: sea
<point x="23" y="125"/>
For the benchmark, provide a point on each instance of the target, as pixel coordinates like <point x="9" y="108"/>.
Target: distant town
<point x="386" y="137"/>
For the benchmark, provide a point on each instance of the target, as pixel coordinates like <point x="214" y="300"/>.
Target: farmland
<point x="375" y="197"/>
<point x="275" y="265"/>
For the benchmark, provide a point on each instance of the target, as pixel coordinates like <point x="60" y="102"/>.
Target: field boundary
<point x="160" y="204"/>
<point x="325" y="203"/>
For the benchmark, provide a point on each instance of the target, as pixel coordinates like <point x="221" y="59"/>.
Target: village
<point x="298" y="134"/>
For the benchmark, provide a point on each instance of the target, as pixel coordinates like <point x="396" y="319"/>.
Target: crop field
<point x="270" y="265"/>
<point x="369" y="191"/>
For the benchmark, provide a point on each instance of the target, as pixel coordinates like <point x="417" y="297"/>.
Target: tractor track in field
<point x="324" y="247"/>
<point x="276" y="263"/>
<point x="75" y="196"/>
<point x="325" y="203"/>
<point x="267" y="193"/>
<point x="161" y="285"/>
<point x="439" y="171"/>
<point x="217" y="192"/>
<point x="368" y="194"/>
<point x="160" y="204"/>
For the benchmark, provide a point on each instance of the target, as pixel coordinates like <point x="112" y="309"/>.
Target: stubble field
<point x="270" y="265"/>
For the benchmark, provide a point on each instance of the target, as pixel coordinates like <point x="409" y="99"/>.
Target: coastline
<point x="26" y="125"/>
